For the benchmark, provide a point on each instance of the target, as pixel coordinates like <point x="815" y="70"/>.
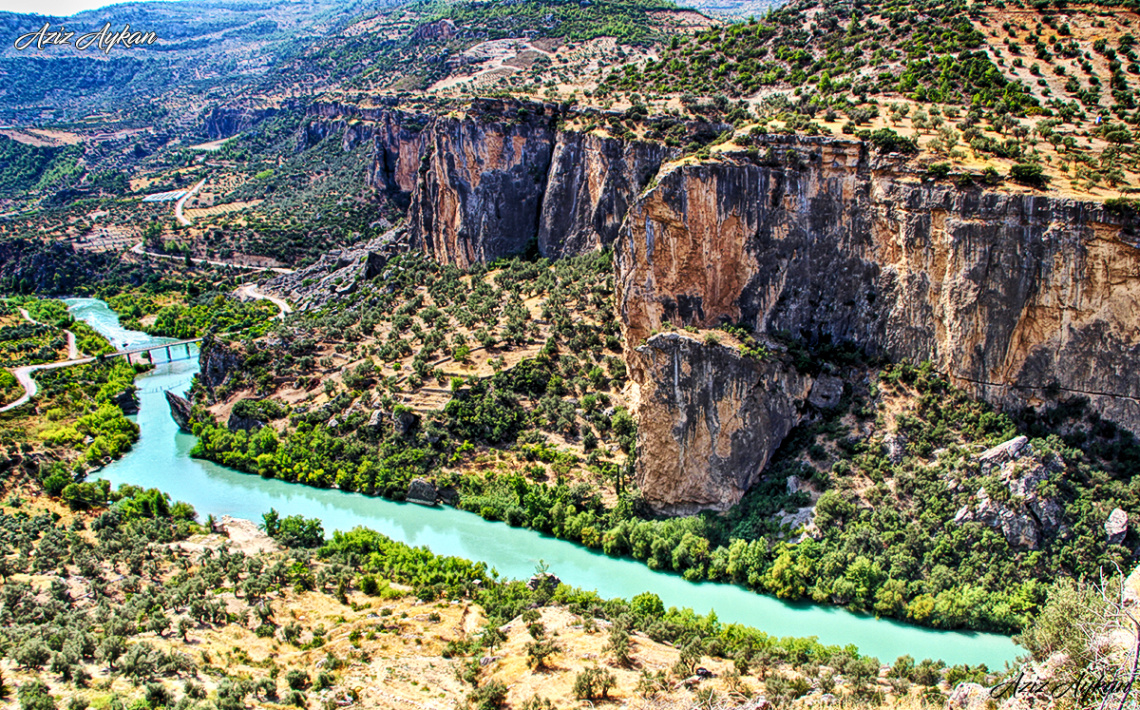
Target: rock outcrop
<point x="338" y="273"/>
<point x="1116" y="527"/>
<point x="1017" y="297"/>
<point x="710" y="418"/>
<point x="1024" y="515"/>
<point x="127" y="400"/>
<point x="236" y="423"/>
<point x="216" y="360"/>
<point x="440" y="29"/>
<point x="226" y="121"/>
<point x="179" y="410"/>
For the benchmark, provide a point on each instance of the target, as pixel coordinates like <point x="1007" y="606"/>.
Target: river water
<point x="161" y="459"/>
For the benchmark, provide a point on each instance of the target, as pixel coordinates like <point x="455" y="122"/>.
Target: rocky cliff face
<point x="493" y="181"/>
<point x="216" y="360"/>
<point x="1016" y="296"/>
<point x="480" y="191"/>
<point x="396" y="139"/>
<point x="709" y="420"/>
<point x="179" y="410"/>
<point x="226" y="121"/>
<point x="592" y="182"/>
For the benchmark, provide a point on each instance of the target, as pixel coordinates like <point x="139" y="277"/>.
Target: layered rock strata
<point x="1018" y="297"/>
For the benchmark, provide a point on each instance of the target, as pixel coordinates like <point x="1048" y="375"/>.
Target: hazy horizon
<point x="59" y="8"/>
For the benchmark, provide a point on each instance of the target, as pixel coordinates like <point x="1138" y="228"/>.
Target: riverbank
<point x="161" y="459"/>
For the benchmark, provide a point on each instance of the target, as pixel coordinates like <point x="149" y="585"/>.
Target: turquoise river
<point x="161" y="459"/>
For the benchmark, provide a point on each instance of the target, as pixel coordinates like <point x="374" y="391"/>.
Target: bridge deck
<point x="149" y="348"/>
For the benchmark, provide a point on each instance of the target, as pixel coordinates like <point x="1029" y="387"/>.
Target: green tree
<point x="593" y="683"/>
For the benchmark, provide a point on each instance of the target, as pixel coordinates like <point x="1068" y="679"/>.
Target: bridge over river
<point x="24" y="374"/>
<point x="151" y="348"/>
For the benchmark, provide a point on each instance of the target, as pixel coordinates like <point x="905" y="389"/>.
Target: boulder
<point x="236" y="423"/>
<point x="421" y="491"/>
<point x="968" y="696"/>
<point x="896" y="446"/>
<point x="1116" y="527"/>
<point x="1019" y="530"/>
<point x="179" y="410"/>
<point x="404" y="420"/>
<point x="543" y="579"/>
<point x="449" y="496"/>
<point x="126" y="401"/>
<point x="1003" y="453"/>
<point x="826" y="392"/>
<point x="803" y="519"/>
<point x="375" y="419"/>
<point x="796" y="484"/>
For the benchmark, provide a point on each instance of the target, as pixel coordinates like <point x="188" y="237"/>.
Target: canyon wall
<point x="480" y="189"/>
<point x="591" y="184"/>
<point x="717" y="419"/>
<point x="497" y="179"/>
<point x="1015" y="296"/>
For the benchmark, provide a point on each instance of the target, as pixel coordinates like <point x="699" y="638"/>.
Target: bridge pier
<point x="168" y="356"/>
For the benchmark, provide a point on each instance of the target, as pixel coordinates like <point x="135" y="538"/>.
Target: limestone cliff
<point x="481" y="184"/>
<point x="395" y="137"/>
<point x="592" y="182"/>
<point x="1016" y="296"/>
<point x="216" y="360"/>
<point x="1019" y="297"/>
<point x="492" y="181"/>
<point x="710" y="418"/>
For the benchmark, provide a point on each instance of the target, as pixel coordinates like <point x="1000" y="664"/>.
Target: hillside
<point x="833" y="301"/>
<point x="160" y="611"/>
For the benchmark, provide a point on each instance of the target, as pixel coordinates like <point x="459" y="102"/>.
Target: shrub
<point x="887" y="141"/>
<point x="35" y="695"/>
<point x="1028" y="174"/>
<point x="297" y="679"/>
<point x="490" y="697"/>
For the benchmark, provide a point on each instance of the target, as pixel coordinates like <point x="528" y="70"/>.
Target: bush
<point x="887" y="141"/>
<point x="293" y="531"/>
<point x="1028" y="174"/>
<point x="490" y="697"/>
<point x="939" y="171"/>
<point x="1122" y="205"/>
<point x="297" y="679"/>
<point x="35" y="695"/>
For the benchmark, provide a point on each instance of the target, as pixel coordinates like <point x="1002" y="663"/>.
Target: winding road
<point x="250" y="292"/>
<point x="182" y="201"/>
<point x="138" y="249"/>
<point x="23" y="374"/>
<point x="24" y="377"/>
